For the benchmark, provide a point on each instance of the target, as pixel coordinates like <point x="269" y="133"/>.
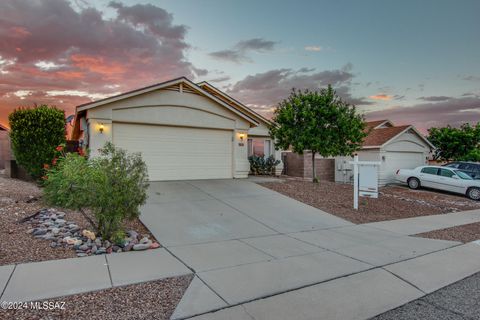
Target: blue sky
<point x="412" y="61"/>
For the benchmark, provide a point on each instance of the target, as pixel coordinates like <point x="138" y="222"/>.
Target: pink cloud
<point x="140" y="46"/>
<point x="381" y="96"/>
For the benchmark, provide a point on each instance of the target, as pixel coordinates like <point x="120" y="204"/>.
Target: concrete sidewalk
<point x="422" y="224"/>
<point x="56" y="278"/>
<point x="362" y="295"/>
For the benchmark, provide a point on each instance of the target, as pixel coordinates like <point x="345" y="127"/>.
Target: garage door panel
<point x="178" y="153"/>
<point x="400" y="160"/>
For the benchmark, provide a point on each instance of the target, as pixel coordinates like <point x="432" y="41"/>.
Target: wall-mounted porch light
<point x="101" y="128"/>
<point x="241" y="136"/>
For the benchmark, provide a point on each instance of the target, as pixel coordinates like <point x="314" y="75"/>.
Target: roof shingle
<point x="378" y="137"/>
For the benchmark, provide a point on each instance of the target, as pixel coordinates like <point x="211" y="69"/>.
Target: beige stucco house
<point x="395" y="147"/>
<point x="182" y="129"/>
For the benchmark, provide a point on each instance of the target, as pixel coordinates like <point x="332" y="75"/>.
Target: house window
<point x="259" y="147"/>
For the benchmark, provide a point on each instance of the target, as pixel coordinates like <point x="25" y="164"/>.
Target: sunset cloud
<point x="454" y="111"/>
<point x="239" y="52"/>
<point x="76" y="54"/>
<point x="267" y="89"/>
<point x="382" y="97"/>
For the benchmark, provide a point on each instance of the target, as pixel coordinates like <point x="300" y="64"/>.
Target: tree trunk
<point x="314" y="170"/>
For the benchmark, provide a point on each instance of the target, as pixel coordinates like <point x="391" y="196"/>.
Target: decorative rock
<point x="155" y="245"/>
<point x="142" y="246"/>
<point x="132" y="234"/>
<point x="128" y="247"/>
<point x="49" y="236"/>
<point x="101" y="251"/>
<point x="72" y="225"/>
<point x="50" y="224"/>
<point x="89" y="234"/>
<point x="39" y="232"/>
<point x="70" y="240"/>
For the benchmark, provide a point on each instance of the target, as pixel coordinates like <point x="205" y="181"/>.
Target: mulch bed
<point x="466" y="233"/>
<point x="150" y="300"/>
<point x="394" y="202"/>
<point x="20" y="199"/>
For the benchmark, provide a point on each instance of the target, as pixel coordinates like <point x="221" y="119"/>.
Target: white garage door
<point x="401" y="160"/>
<point x="177" y="153"/>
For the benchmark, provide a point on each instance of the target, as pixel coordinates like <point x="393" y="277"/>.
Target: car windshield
<point x="463" y="175"/>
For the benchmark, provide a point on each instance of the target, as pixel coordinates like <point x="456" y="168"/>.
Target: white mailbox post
<point x="365" y="179"/>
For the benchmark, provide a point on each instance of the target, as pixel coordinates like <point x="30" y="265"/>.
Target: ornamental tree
<point x="318" y="121"/>
<point x="35" y="133"/>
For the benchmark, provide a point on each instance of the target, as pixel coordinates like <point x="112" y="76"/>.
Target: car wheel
<point x="413" y="183"/>
<point x="473" y="193"/>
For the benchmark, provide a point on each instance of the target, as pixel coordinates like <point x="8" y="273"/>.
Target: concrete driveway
<point x="245" y="242"/>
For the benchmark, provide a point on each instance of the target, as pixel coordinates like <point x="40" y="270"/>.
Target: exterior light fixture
<point x="242" y="137"/>
<point x="101" y="128"/>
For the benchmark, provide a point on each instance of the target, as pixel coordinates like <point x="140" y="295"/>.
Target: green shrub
<point x="262" y="165"/>
<point x="35" y="132"/>
<point x="112" y="185"/>
<point x="472" y="155"/>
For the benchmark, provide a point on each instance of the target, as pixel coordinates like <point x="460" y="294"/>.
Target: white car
<point x="442" y="178"/>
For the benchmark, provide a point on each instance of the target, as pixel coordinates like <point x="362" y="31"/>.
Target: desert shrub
<point x="34" y="133"/>
<point x="262" y="165"/>
<point x="112" y="185"/>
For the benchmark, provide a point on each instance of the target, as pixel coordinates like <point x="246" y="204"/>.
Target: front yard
<point x="394" y="202"/>
<point x="20" y="199"/>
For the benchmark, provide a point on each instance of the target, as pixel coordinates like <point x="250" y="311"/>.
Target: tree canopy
<point x="317" y="121"/>
<point x="456" y="143"/>
<point x="35" y="132"/>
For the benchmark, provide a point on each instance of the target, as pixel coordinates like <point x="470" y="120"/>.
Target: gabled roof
<point x="378" y="137"/>
<point x="163" y="85"/>
<point x="232" y="101"/>
<point x="378" y="123"/>
<point x="381" y="136"/>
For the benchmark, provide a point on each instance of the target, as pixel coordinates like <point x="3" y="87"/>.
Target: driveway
<point x="245" y="242"/>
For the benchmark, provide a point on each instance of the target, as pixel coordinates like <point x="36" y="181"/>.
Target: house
<point x="184" y="130"/>
<point x="4" y="146"/>
<point x="396" y="147"/>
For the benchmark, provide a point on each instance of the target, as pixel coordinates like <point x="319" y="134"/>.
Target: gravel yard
<point x="150" y="300"/>
<point x="394" y="202"/>
<point x="20" y="199"/>
<point x="466" y="233"/>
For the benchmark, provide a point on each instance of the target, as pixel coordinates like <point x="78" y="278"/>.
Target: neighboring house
<point x="396" y="147"/>
<point x="4" y="146"/>
<point x="183" y="130"/>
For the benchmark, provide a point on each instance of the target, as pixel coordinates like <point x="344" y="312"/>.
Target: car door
<point x="449" y="181"/>
<point x="428" y="177"/>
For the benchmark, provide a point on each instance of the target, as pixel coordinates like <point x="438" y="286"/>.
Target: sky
<point x="413" y="62"/>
